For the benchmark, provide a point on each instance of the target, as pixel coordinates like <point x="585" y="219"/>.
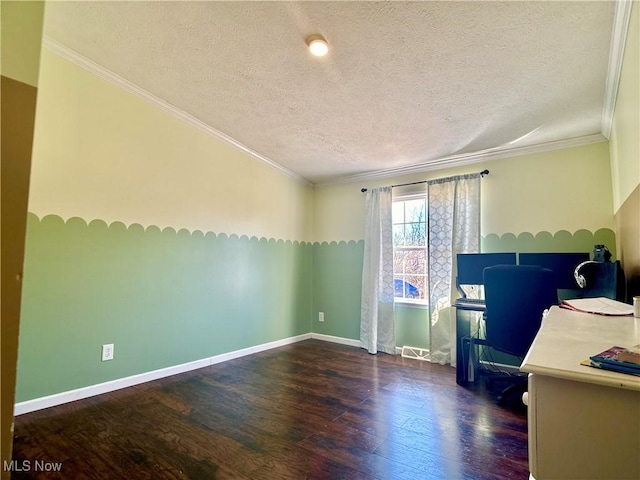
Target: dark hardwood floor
<point x="311" y="410"/>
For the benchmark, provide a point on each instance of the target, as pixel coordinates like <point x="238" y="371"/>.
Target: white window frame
<point x="410" y="301"/>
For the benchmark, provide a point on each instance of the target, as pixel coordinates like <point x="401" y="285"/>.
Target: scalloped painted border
<point x="544" y="233"/>
<point x="339" y="243"/>
<point x="155" y="230"/>
<point x="560" y="241"/>
<point x="581" y="236"/>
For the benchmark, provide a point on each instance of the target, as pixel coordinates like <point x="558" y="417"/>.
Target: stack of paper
<point x="599" y="305"/>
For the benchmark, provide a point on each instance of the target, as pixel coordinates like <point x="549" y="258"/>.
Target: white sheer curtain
<point x="454" y="227"/>
<point x="376" y="322"/>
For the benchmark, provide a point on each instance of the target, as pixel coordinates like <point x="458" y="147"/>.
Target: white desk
<point x="584" y="423"/>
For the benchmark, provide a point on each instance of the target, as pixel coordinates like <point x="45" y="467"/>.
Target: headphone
<point x="580" y="280"/>
<point x="600" y="254"/>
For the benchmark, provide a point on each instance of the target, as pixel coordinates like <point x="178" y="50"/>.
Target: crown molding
<point x="616" y="55"/>
<point x="468" y="159"/>
<point x="618" y="40"/>
<point x="111" y="77"/>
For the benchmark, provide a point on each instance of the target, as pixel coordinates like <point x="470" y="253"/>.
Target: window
<point x="410" y="248"/>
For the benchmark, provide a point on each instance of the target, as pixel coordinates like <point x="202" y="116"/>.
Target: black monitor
<point x="471" y="265"/>
<point x="562" y="264"/>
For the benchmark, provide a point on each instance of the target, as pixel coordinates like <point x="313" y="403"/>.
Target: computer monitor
<point x="471" y="265"/>
<point x="562" y="264"/>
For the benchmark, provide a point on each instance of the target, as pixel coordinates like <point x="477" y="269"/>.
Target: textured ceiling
<point x="404" y="84"/>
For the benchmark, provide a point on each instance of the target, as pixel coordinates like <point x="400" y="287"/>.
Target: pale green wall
<point x="151" y="234"/>
<point x="135" y="174"/>
<point x="560" y="241"/>
<point x="548" y="202"/>
<point x="625" y="133"/>
<point x="162" y="297"/>
<point x="337" y="283"/>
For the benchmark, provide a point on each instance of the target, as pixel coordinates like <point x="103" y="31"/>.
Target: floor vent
<point x="415" y="352"/>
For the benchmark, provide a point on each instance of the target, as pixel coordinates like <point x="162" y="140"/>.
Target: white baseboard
<point x="341" y="340"/>
<point x="21" y="408"/>
<point x="344" y="341"/>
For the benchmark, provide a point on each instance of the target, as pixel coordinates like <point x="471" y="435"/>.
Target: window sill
<point x="411" y="303"/>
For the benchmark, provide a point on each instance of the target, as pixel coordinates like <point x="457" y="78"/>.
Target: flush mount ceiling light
<point x="317" y="45"/>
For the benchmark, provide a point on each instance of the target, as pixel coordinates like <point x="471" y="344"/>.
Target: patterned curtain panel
<point x="376" y="321"/>
<point x="454" y="227"/>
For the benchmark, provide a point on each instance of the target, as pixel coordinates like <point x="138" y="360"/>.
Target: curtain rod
<point x="482" y="174"/>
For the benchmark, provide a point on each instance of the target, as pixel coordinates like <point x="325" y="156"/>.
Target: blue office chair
<point x="516" y="297"/>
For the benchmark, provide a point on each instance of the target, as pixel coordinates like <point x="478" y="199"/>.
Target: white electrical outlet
<point x="321" y="316"/>
<point x="107" y="352"/>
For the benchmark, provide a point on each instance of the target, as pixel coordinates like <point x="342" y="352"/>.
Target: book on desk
<point x="616" y="359"/>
